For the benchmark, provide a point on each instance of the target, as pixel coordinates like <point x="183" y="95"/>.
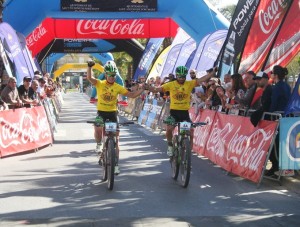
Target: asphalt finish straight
<point x="60" y="185"/>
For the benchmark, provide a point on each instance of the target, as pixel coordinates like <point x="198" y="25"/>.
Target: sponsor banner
<point x="237" y="35"/>
<point x="186" y="50"/>
<point x="23" y="129"/>
<point x="150" y="52"/>
<point x="234" y="144"/>
<point x="14" y="52"/>
<point x="289" y="143"/>
<point x="210" y="51"/>
<point x="5" y="60"/>
<point x="269" y="17"/>
<point x="109" y="5"/>
<point x="201" y="134"/>
<point x="157" y="66"/>
<point x="98" y="29"/>
<point x="293" y="105"/>
<point x="287" y="43"/>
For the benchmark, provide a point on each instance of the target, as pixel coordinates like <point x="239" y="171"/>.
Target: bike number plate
<point x="185" y="126"/>
<point x="111" y="127"/>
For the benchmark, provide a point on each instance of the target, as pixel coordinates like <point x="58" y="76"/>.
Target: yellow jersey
<point x="180" y="94"/>
<point x="107" y="95"/>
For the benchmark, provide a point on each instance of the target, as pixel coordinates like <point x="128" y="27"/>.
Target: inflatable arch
<point x="68" y="66"/>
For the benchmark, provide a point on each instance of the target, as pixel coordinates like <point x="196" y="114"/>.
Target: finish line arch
<point x="68" y="66"/>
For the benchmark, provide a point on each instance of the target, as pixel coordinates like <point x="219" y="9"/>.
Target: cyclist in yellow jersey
<point x="180" y="96"/>
<point x="107" y="93"/>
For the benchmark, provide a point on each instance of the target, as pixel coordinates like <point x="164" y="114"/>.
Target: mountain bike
<point x="108" y="158"/>
<point x="181" y="160"/>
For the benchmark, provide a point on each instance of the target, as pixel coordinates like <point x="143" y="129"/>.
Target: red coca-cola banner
<point x="234" y="144"/>
<point x="264" y="29"/>
<point x="287" y="44"/>
<point x="50" y="29"/>
<point x="23" y="130"/>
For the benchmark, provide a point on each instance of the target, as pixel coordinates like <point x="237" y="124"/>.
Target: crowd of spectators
<point x="30" y="93"/>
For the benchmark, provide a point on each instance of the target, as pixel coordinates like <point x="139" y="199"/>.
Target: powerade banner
<point x="13" y="50"/>
<point x="237" y="35"/>
<point x="209" y="51"/>
<point x="294" y="101"/>
<point x="76" y="46"/>
<point x="287" y="44"/>
<point x="150" y="52"/>
<point x="109" y="5"/>
<point x="268" y="19"/>
<point x="289" y="143"/>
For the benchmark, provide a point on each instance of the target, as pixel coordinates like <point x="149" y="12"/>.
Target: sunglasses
<point x="111" y="74"/>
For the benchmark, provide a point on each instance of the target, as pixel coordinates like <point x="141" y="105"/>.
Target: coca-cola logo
<point x="26" y="130"/>
<point x="111" y="27"/>
<point x="37" y="34"/>
<point x="270" y="15"/>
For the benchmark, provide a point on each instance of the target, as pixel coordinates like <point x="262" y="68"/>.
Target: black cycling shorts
<point x="180" y="115"/>
<point x="110" y="116"/>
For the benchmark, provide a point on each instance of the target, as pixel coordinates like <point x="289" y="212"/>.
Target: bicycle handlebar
<point x="194" y="124"/>
<point x="121" y="123"/>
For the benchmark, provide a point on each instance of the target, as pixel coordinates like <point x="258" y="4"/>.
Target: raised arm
<point x="207" y="76"/>
<point x="134" y="94"/>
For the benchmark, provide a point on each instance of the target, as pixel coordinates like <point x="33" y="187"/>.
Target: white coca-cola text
<point x="111" y="27"/>
<point x="272" y="13"/>
<point x="37" y="34"/>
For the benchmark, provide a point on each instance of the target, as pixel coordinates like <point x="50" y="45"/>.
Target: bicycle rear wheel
<point x="185" y="162"/>
<point x="111" y="158"/>
<point x="174" y="160"/>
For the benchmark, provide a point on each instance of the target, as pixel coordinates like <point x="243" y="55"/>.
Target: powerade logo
<point x="293" y="142"/>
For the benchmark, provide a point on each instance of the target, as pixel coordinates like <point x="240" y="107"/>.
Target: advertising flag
<point x="265" y="27"/>
<point x="210" y="51"/>
<point x="237" y="36"/>
<point x="287" y="43"/>
<point x="150" y="52"/>
<point x="293" y="105"/>
<point x="157" y="66"/>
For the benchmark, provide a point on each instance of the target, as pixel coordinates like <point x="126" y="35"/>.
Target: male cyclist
<point x="107" y="93"/>
<point x="118" y="80"/>
<point x="180" y="96"/>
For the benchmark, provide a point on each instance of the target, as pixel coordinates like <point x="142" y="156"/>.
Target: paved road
<point x="60" y="185"/>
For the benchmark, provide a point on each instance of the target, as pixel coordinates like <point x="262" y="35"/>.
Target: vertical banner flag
<point x="157" y="66"/>
<point x="169" y="63"/>
<point x="237" y="35"/>
<point x="293" y="105"/>
<point x="269" y="17"/>
<point x="5" y="59"/>
<point x="150" y="52"/>
<point x="289" y="143"/>
<point x="26" y="53"/>
<point x="185" y="52"/>
<point x="287" y="43"/>
<point x="13" y="49"/>
<point x="210" y="51"/>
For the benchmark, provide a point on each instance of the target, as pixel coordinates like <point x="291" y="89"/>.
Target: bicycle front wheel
<point x="111" y="158"/>
<point x="174" y="160"/>
<point x="185" y="162"/>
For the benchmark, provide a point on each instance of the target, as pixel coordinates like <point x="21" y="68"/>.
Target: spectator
<point x="32" y="93"/>
<point x="238" y="90"/>
<point x="193" y="74"/>
<point x="41" y="88"/>
<point x="281" y="93"/>
<point x="37" y="75"/>
<point x="265" y="101"/>
<point x="214" y="93"/>
<point x="23" y="91"/>
<point x="250" y="84"/>
<point x="199" y="99"/>
<point x="10" y="94"/>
